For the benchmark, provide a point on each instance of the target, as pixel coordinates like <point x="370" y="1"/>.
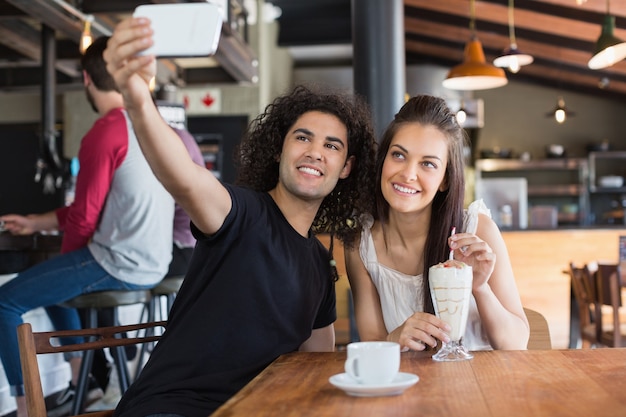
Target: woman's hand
<point x="419" y="330"/>
<point x="475" y="252"/>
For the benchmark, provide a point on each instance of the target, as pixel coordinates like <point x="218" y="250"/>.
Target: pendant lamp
<point x="461" y="115"/>
<point x="86" y="38"/>
<point x="609" y="49"/>
<point x="560" y="112"/>
<point x="512" y="58"/>
<point x="474" y="73"/>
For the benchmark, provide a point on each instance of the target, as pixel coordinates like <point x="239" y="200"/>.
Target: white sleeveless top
<point x="401" y="295"/>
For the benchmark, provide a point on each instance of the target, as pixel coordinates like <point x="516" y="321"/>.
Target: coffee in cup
<point x="373" y="363"/>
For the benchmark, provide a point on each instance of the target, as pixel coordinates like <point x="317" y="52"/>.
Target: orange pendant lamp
<point x="474" y="73"/>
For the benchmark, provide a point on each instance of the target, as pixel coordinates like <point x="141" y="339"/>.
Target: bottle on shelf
<point x="70" y="189"/>
<point x="506" y="217"/>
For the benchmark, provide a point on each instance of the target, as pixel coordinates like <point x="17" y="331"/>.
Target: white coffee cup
<point x="373" y="363"/>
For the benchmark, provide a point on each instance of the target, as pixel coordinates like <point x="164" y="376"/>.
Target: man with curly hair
<point x="259" y="284"/>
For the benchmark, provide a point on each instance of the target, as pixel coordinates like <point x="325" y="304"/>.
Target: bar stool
<point x="166" y="289"/>
<point x="93" y="303"/>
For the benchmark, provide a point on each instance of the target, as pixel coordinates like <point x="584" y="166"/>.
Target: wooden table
<point x="496" y="383"/>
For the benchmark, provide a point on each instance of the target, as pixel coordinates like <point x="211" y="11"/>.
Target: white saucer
<point x="396" y="387"/>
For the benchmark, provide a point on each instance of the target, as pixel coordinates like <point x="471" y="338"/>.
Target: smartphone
<point x="182" y="29"/>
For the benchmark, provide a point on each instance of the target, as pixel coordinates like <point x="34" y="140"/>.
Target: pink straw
<point x="452" y="234"/>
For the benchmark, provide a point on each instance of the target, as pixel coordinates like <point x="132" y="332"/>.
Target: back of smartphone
<point x="182" y="29"/>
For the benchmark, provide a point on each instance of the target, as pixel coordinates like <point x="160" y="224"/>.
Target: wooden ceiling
<point x="560" y="34"/>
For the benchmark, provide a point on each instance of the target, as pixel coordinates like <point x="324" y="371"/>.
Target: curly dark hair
<point x="257" y="164"/>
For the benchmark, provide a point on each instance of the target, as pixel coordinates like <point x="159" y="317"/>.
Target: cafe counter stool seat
<point x="109" y="299"/>
<point x="93" y="303"/>
<point x="166" y="289"/>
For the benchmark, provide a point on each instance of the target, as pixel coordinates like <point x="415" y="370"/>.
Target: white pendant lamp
<point x="461" y="115"/>
<point x="86" y="38"/>
<point x="512" y="58"/>
<point x="609" y="49"/>
<point x="560" y="112"/>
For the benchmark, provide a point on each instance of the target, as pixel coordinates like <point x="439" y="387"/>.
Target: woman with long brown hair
<point x="419" y="199"/>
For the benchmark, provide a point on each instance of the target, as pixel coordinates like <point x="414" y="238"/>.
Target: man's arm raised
<point x="196" y="189"/>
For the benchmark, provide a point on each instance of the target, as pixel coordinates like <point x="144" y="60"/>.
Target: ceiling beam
<point x="559" y="55"/>
<point x="555" y="25"/>
<point x="21" y="37"/>
<point x="546" y="75"/>
<point x="47" y="13"/>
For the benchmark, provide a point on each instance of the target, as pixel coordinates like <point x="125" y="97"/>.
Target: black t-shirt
<point x="254" y="290"/>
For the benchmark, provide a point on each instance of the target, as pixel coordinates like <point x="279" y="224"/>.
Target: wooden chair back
<point x="608" y="288"/>
<point x="33" y="343"/>
<point x="583" y="286"/>
<point x="539" y="331"/>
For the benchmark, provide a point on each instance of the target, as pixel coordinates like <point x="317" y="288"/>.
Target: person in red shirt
<point x="117" y="234"/>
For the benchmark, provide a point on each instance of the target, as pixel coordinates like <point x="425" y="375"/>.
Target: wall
<point x="22" y="107"/>
<point x="515" y="117"/>
<point x="78" y="117"/>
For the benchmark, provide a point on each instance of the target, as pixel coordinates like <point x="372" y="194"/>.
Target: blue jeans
<point x="45" y="285"/>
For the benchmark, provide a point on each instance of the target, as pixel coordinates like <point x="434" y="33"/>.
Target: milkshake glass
<point x="450" y="289"/>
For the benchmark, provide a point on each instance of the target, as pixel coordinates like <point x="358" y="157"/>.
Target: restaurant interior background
<point x="310" y="41"/>
<point x="217" y="94"/>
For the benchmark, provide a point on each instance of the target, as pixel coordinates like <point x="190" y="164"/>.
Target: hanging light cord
<point x="80" y="15"/>
<point x="472" y="23"/>
<point x="512" y="23"/>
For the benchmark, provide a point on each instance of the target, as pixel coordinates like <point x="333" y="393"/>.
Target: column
<point x="379" y="57"/>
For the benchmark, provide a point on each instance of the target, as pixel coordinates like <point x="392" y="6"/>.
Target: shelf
<point x="607" y="190"/>
<point x="568" y="218"/>
<point x="558" y="182"/>
<point x="565" y="190"/>
<point x="558" y="187"/>
<point x="492" y="165"/>
<point x="606" y="163"/>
